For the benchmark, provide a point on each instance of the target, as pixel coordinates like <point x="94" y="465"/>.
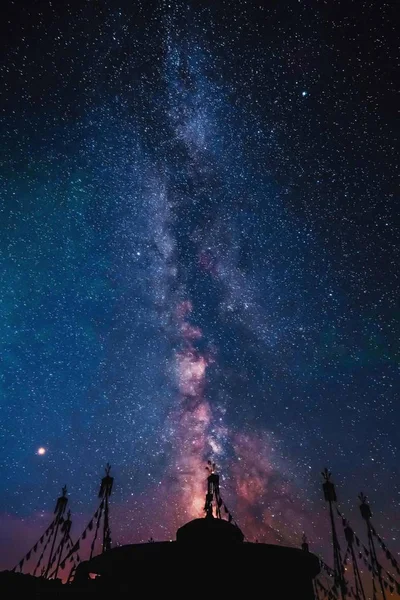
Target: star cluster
<point x="199" y="260"/>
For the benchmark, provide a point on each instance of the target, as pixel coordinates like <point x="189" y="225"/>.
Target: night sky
<point x="199" y="259"/>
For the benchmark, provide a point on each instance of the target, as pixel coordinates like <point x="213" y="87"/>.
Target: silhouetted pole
<point x="105" y="493"/>
<point x="330" y="496"/>
<point x="58" y="511"/>
<point x="100" y="514"/>
<point x="212" y="492"/>
<point x="349" y="535"/>
<point x="65" y="528"/>
<point x="376" y="567"/>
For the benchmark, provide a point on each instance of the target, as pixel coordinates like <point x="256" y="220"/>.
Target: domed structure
<point x="209" y="531"/>
<point x="208" y="556"/>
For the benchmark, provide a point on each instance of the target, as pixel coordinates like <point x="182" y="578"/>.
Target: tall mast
<point x="58" y="511"/>
<point x="376" y="567"/>
<point x="330" y="496"/>
<point x="105" y="493"/>
<point x="213" y="493"/>
<point x="66" y="530"/>
<point x="349" y="535"/>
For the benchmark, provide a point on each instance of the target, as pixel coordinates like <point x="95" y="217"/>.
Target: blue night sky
<point x="198" y="259"/>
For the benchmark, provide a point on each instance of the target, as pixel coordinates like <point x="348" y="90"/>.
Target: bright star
<point x="304" y="93"/>
<point x="41" y="451"/>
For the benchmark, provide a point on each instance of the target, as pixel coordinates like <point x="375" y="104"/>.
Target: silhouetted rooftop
<point x="209" y="530"/>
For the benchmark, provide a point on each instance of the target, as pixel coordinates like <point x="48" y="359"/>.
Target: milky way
<point x="198" y="262"/>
